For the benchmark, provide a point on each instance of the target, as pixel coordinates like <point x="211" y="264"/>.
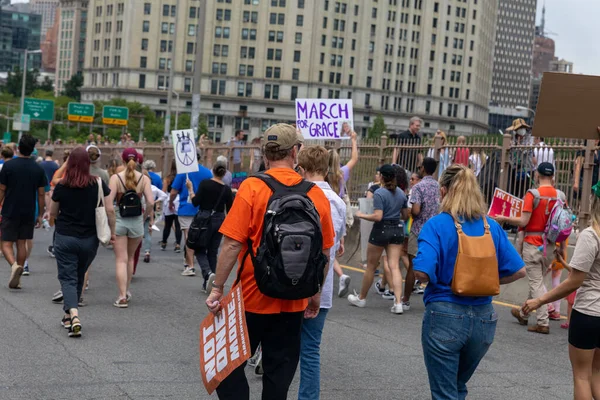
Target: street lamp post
<point x="24" y="83"/>
<point x="197" y="81"/>
<point x="171" y="75"/>
<point x="523" y="108"/>
<point x="176" y="109"/>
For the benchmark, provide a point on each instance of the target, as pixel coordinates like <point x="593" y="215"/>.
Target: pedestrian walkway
<point x="151" y="350"/>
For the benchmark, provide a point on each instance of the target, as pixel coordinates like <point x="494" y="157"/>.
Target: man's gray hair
<point x="415" y="119"/>
<point x="222" y="160"/>
<point x="149" y="164"/>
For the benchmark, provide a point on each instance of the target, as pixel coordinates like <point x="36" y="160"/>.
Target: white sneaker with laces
<point x="397" y="309"/>
<point x="406" y="305"/>
<point x="355" y="300"/>
<point x="189" y="272"/>
<point x="344" y="285"/>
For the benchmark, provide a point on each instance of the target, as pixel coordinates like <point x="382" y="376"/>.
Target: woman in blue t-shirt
<point x="458" y="330"/>
<point x="390" y="212"/>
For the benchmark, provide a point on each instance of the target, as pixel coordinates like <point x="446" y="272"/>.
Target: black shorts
<point x="18" y="228"/>
<point x="584" y="331"/>
<point x="387" y="232"/>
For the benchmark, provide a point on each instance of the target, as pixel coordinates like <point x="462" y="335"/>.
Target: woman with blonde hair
<point x="337" y="177"/>
<point x="127" y="188"/>
<point x="445" y="156"/>
<point x="584" y="324"/>
<point x="458" y="329"/>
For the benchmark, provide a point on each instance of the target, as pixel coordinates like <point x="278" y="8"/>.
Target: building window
<point x="147" y="8"/>
<point x="142" y="82"/>
<point x="295" y="74"/>
<point x="298" y="38"/>
<point x="165" y="10"/>
<point x="297" y="56"/>
<point x="144" y="44"/>
<point x="300" y="3"/>
<point x="300" y="20"/>
<point x="187" y="85"/>
<point x="190" y="48"/>
<point x="189" y="66"/>
<point x="191" y="30"/>
<point x="272" y="92"/>
<point x="143" y="62"/>
<point x="192" y="12"/>
<point x="244" y="89"/>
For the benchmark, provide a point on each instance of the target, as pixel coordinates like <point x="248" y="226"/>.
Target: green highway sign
<point x="41" y="110"/>
<point x="79" y="112"/>
<point x="113" y="115"/>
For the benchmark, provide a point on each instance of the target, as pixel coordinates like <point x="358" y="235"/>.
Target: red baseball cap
<point x="130" y="153"/>
<point x="140" y="158"/>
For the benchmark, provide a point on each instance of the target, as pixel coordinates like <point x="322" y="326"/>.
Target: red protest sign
<point x="505" y="204"/>
<point x="224" y="342"/>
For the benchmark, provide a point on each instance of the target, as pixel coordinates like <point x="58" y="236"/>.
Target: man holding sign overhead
<point x="188" y="168"/>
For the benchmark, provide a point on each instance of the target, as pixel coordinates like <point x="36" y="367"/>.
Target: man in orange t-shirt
<point x="275" y="323"/>
<point x="534" y="220"/>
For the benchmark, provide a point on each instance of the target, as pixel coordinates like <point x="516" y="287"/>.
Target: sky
<point x="575" y="24"/>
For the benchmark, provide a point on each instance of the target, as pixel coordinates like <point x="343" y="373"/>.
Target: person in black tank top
<point x="212" y="196"/>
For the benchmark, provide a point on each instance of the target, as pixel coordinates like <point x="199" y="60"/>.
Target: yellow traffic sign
<point x="81" y="118"/>
<point x="114" y="121"/>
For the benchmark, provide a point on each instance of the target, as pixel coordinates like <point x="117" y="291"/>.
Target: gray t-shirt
<point x="97" y="171"/>
<point x="391" y="203"/>
<point x="586" y="258"/>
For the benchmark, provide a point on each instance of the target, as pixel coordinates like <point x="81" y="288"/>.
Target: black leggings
<point x="169" y="219"/>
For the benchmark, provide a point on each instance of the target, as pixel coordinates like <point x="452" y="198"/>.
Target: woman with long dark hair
<point x="390" y="210"/>
<point x="212" y="195"/>
<point x="129" y="228"/>
<point x="74" y="201"/>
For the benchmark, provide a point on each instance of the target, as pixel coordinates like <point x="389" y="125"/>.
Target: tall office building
<point x="513" y="57"/>
<point x="47" y="9"/>
<point x="71" y="37"/>
<point x="19" y="30"/>
<point x="397" y="58"/>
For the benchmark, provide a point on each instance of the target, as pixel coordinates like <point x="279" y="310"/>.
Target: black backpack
<point x="130" y="204"/>
<point x="289" y="263"/>
<point x="200" y="229"/>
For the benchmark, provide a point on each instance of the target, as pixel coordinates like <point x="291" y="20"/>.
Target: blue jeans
<point x="455" y="338"/>
<point x="73" y="257"/>
<point x="310" y="357"/>
<point x="147" y="241"/>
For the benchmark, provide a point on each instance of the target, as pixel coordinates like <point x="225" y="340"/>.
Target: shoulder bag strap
<point x="100" y="193"/>
<point x="218" y="200"/>
<point x="122" y="183"/>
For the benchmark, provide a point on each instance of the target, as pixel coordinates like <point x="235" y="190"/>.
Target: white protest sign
<point x="184" y="147"/>
<point x="324" y="118"/>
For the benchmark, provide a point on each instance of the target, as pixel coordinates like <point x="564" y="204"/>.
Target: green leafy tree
<point x="378" y="128"/>
<point x="202" y="126"/>
<point x="47" y="85"/>
<point x="14" y="82"/>
<point x="73" y="86"/>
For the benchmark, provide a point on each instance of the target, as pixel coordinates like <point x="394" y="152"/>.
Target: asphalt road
<point x="150" y="350"/>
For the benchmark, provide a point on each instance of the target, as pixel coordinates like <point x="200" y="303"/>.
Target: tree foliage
<point x="73" y="86"/>
<point x="14" y="82"/>
<point x="378" y="128"/>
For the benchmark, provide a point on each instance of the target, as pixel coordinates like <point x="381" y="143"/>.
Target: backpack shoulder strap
<point x="122" y="183"/>
<point x="279" y="188"/>
<point x="536" y="197"/>
<point x="561" y="196"/>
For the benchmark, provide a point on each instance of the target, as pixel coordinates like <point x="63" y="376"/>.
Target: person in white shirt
<point x="543" y="152"/>
<point x="314" y="162"/>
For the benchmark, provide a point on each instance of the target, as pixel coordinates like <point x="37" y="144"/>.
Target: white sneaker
<point x="356" y="301"/>
<point x="378" y="289"/>
<point x="189" y="272"/>
<point x="397" y="309"/>
<point x="344" y="286"/>
<point x="406" y="305"/>
<point x="210" y="281"/>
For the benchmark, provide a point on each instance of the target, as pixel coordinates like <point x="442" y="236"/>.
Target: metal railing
<point x="496" y="160"/>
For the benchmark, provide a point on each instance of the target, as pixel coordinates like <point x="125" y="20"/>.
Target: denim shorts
<point x="132" y="227"/>
<point x="387" y="232"/>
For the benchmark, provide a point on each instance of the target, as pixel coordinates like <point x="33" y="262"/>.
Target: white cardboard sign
<point x="325" y="118"/>
<point x="184" y="147"/>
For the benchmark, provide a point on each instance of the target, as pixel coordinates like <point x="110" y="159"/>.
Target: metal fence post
<point x="586" y="188"/>
<point x="382" y="146"/>
<point x="437" y="146"/>
<point x="504" y="161"/>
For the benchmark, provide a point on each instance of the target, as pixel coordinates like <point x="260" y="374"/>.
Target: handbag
<point x="349" y="213"/>
<point x="102" y="228"/>
<point x="200" y="229"/>
<point x="476" y="268"/>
